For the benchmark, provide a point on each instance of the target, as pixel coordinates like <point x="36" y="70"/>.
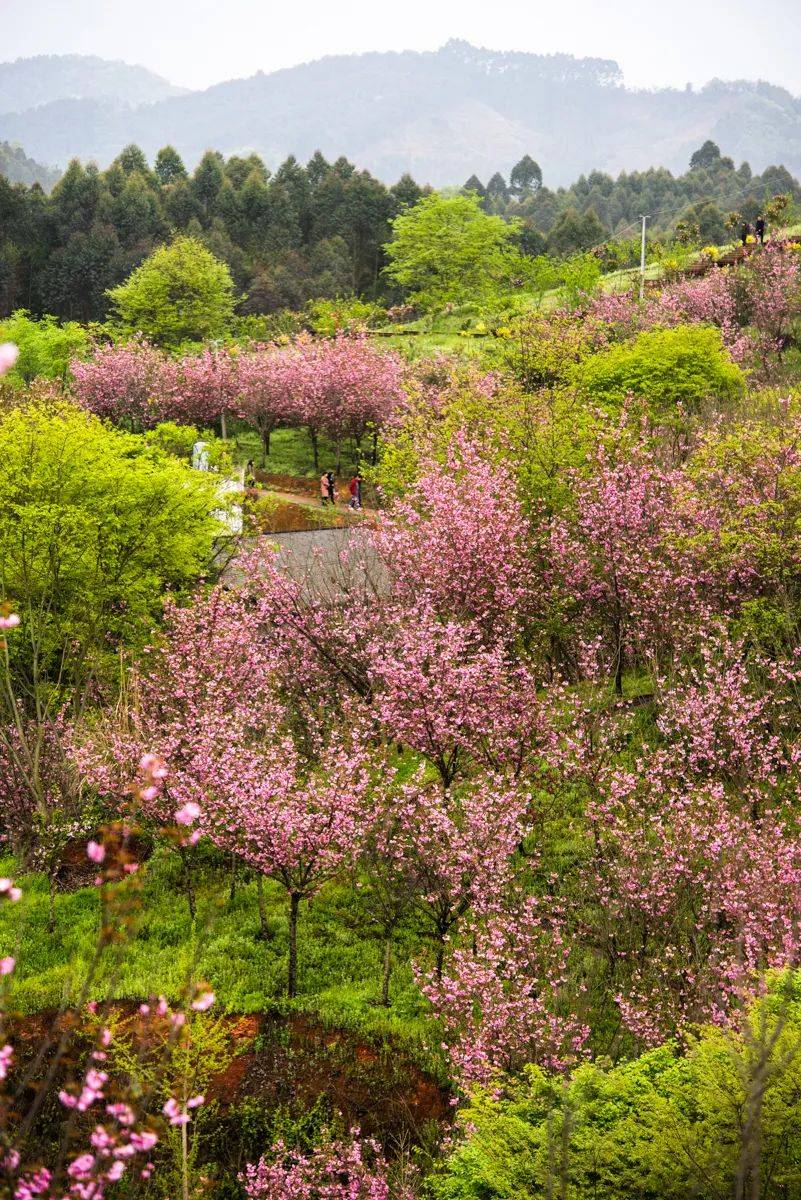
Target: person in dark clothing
<point x="332" y="489"/>
<point x="250" y="474"/>
<point x="745" y="232"/>
<point x="760" y="230"/>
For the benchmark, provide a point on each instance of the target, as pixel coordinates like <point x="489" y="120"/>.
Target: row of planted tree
<point x="342" y="387"/>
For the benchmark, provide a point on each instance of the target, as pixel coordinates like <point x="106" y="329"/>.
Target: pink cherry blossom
<point x="9" y="354"/>
<point x="188" y="813"/>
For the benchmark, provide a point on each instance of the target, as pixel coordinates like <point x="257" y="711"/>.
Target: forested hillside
<point x="438" y="115"/>
<point x="16" y="167"/>
<point x="31" y="82"/>
<point x="319" y="230"/>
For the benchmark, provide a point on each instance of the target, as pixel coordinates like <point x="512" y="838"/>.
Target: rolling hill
<point x="29" y="82"/>
<point x="441" y="115"/>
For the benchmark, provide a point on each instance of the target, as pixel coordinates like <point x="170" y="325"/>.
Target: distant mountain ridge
<point x="30" y="82"/>
<point x="440" y="115"/>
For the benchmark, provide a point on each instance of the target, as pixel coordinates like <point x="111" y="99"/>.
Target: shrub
<point x="94" y="529"/>
<point x="670" y="369"/>
<point x="46" y="347"/>
<point x="662" y="1127"/>
<point x="174" y="439"/>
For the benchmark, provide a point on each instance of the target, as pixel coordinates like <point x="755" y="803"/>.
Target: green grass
<point x="339" y="959"/>
<point x="426" y="344"/>
<point x="290" y="452"/>
<point x="445" y="331"/>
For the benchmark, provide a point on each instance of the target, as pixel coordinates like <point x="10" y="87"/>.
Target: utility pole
<point x="642" y="257"/>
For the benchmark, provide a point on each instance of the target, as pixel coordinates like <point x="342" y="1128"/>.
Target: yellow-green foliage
<point x="544" y="351"/>
<point x="446" y="250"/>
<point x="95" y="526"/>
<point x="539" y="435"/>
<point x="46" y="347"/>
<point x="672" y="370"/>
<point x="666" y="1126"/>
<point x="181" y="293"/>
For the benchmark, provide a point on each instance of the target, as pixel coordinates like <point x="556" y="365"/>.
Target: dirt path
<point x="310" y="502"/>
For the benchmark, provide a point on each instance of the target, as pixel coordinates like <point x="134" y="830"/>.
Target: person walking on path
<point x="355" y="488"/>
<point x="325" y="490"/>
<point x="332" y="488"/>
<point x="745" y="232"/>
<point x="760" y="230"/>
<point x="250" y="474"/>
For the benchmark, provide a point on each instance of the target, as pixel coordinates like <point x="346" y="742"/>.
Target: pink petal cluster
<point x="336" y="1170"/>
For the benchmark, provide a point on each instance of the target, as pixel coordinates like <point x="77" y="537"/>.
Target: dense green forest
<point x="317" y="231"/>
<point x="597" y="206"/>
<point x="17" y="167"/>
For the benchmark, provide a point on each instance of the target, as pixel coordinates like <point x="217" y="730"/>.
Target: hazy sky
<point x="200" y="42"/>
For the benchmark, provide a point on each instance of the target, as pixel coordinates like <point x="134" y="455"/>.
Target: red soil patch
<point x="286" y="517"/>
<point x="300" y="484"/>
<point x="296" y="1061"/>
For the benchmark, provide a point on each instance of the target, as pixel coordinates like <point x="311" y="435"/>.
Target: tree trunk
<point x="265" y="446"/>
<point x="223" y="427"/>
<point x="440" y="961"/>
<point x="188" y="884"/>
<point x="51" y="902"/>
<point x="184" y="1161"/>
<point x="234" y="872"/>
<point x="264" y="932"/>
<point x="292" y="974"/>
<point x="386" y="972"/>
<point x="315" y="448"/>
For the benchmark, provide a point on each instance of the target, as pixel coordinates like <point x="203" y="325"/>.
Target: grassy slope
<point x="339" y="959"/>
<point x="447" y="334"/>
<point x="290" y="452"/>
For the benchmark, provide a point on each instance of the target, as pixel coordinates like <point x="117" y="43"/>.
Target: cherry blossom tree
<point x="208" y="388"/>
<point x="441" y="691"/>
<point x="268" y="396"/>
<point x="385" y="874"/>
<point x="697" y="901"/>
<point x="208" y="708"/>
<point x="770" y="294"/>
<point x="132" y="384"/>
<point x="508" y="999"/>
<point x="461" y="543"/>
<point x="462" y="845"/>
<point x="293" y="821"/>
<point x="207" y="676"/>
<point x="342" y="386"/>
<point x="638" y="565"/>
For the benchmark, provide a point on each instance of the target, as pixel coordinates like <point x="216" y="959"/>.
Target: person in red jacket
<point x="355" y="488"/>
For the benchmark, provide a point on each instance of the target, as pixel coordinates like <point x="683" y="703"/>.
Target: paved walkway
<point x="330" y="563"/>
